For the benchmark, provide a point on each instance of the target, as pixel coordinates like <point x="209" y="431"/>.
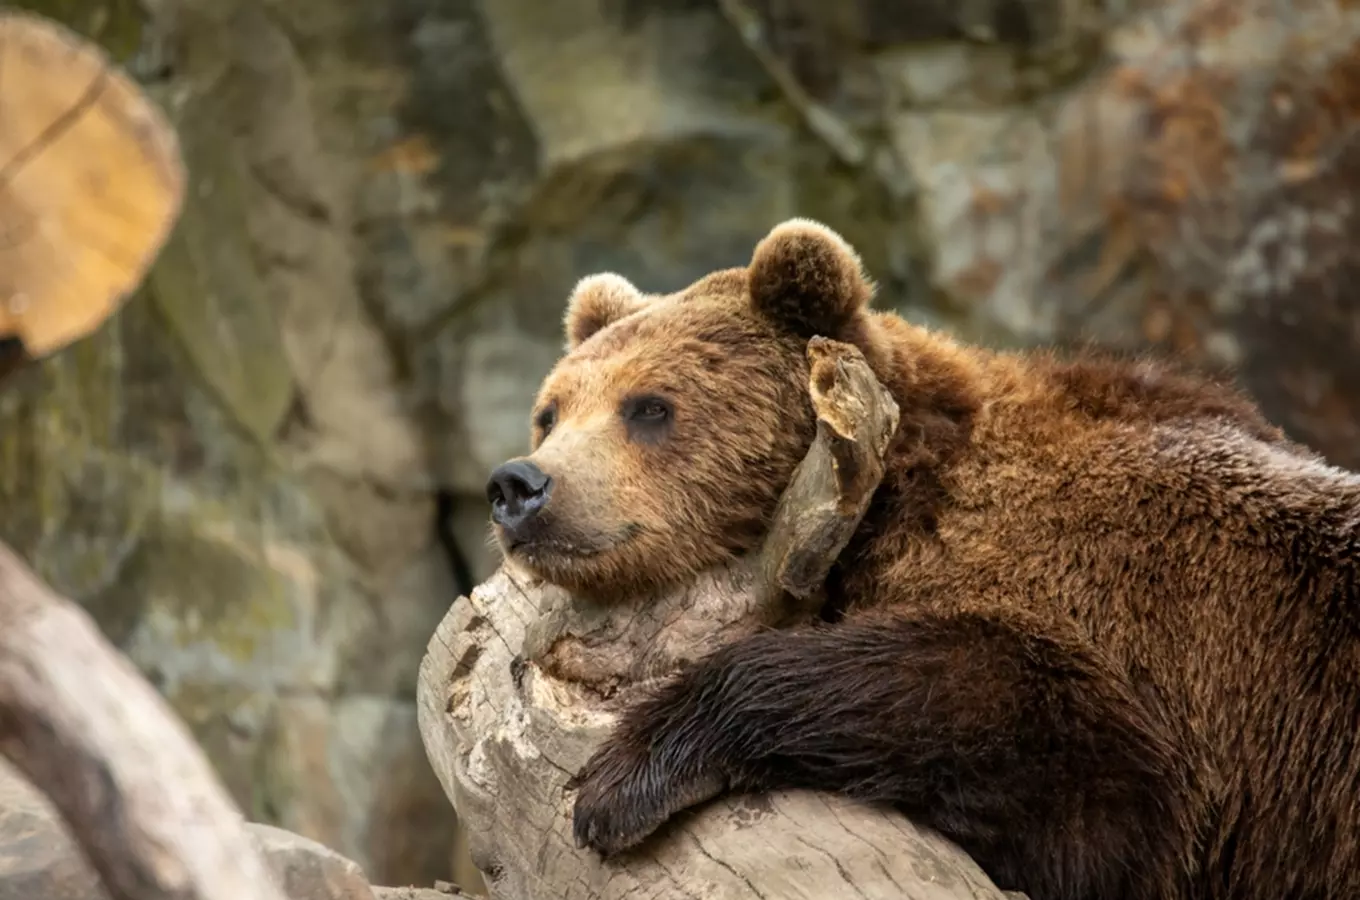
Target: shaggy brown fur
<point x="1099" y="626"/>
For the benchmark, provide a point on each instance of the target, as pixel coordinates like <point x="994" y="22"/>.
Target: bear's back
<point x="1213" y="561"/>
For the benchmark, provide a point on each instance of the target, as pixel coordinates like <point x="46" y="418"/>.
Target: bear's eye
<point x="649" y="409"/>
<point x="646" y="417"/>
<point x="546" y="418"/>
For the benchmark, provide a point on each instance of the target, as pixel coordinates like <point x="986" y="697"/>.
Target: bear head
<point x="663" y="438"/>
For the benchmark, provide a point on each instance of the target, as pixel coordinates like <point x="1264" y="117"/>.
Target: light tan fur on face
<point x="729" y="353"/>
<point x="630" y="513"/>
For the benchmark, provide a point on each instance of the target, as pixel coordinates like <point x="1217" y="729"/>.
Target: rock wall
<point x="264" y="477"/>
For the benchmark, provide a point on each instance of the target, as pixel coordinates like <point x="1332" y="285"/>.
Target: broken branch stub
<point x="831" y="489"/>
<point x="522" y="681"/>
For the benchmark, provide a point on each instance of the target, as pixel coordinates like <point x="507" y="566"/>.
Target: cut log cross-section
<point x="522" y="681"/>
<point x="91" y="182"/>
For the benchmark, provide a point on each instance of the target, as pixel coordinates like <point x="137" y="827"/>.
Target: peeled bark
<point x="522" y="682"/>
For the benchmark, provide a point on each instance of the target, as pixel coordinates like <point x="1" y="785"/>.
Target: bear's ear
<point x="597" y="301"/>
<point x="808" y="279"/>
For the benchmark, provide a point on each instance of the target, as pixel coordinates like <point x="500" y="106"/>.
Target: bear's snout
<point x="518" y="490"/>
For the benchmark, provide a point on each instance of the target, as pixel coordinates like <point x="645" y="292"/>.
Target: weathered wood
<point x="832" y="487"/>
<point x="81" y="724"/>
<point x="522" y="681"/>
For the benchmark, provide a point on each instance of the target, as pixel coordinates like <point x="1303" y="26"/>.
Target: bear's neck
<point x="939" y="386"/>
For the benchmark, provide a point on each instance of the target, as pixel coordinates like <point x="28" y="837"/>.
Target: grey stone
<point x="342" y="771"/>
<point x="38" y="861"/>
<point x="309" y="871"/>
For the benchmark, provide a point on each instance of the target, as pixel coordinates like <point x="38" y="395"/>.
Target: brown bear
<point x="1099" y="625"/>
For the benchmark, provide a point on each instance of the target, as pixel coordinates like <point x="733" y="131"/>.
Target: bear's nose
<point x="517" y="490"/>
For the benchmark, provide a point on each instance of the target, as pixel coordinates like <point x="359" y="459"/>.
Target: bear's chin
<point x="592" y="576"/>
<point x="611" y="574"/>
<point x="589" y="567"/>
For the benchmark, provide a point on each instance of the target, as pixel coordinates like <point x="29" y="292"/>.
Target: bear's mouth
<point x="530" y="548"/>
<point x="549" y="547"/>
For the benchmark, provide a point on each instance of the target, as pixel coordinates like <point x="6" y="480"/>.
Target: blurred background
<point x="264" y="476"/>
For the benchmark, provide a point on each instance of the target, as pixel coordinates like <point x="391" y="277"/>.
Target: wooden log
<point x="91" y="183"/>
<point x="522" y="681"/>
<point x="81" y="724"/>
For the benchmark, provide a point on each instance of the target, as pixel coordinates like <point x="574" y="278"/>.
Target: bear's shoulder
<point x="1095" y="440"/>
<point x="1092" y="383"/>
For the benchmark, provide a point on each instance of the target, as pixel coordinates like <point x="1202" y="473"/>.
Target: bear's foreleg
<point x="1017" y="741"/>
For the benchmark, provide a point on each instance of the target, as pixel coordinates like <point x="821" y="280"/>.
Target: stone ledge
<point x="38" y="860"/>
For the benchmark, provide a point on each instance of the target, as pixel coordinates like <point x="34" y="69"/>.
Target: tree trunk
<point x="522" y="681"/>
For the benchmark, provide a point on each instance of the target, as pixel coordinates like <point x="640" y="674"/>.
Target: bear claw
<point x="623" y="797"/>
<point x="613" y="811"/>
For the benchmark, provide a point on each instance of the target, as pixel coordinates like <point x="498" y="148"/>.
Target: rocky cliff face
<point x="264" y="477"/>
